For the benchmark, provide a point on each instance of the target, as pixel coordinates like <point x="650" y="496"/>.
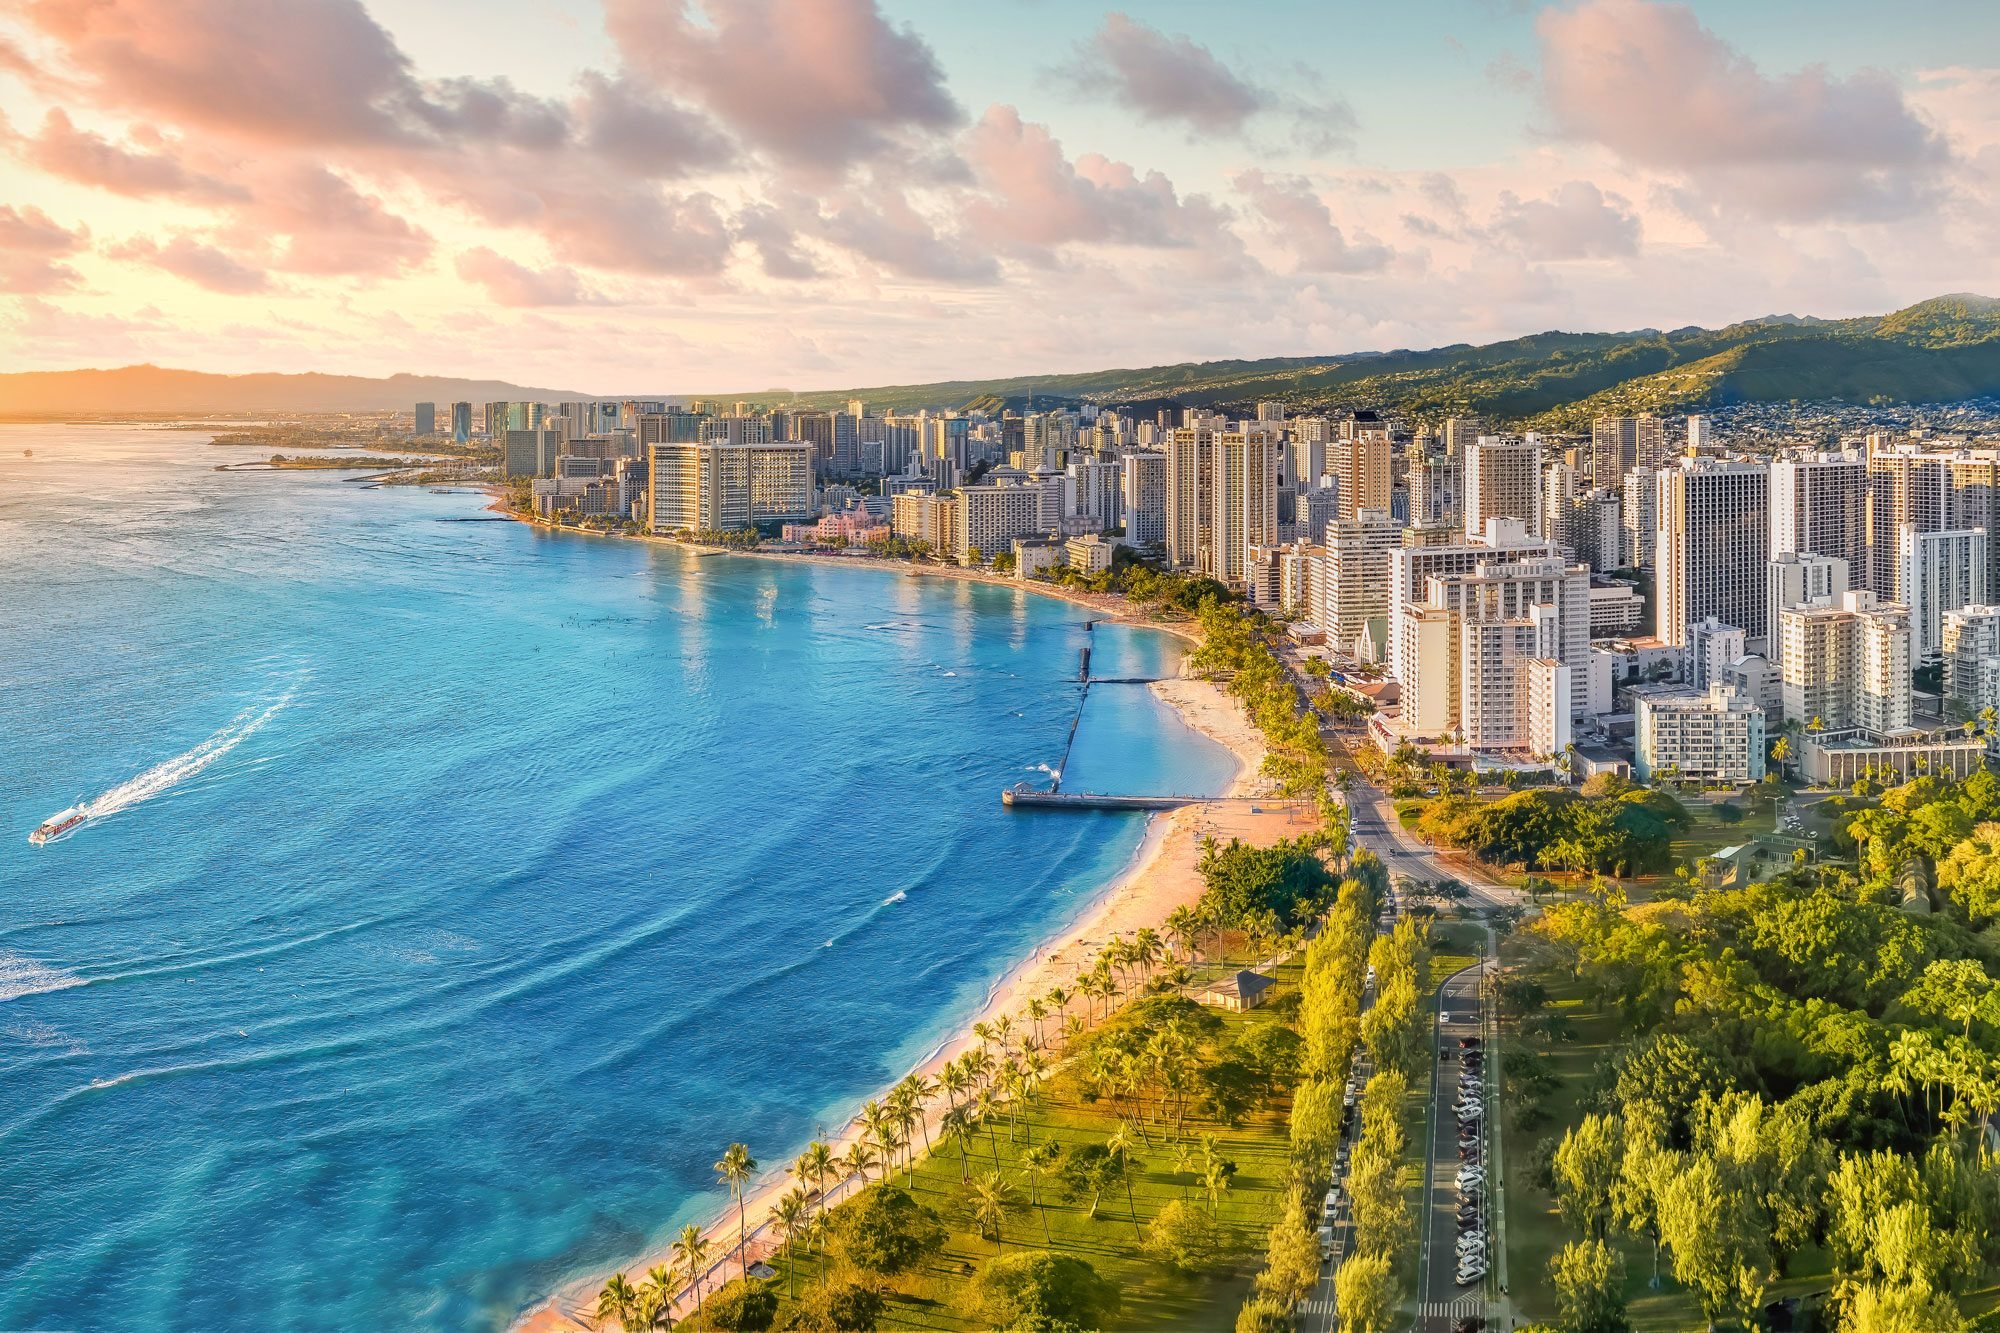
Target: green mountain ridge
<point x="1946" y="349"/>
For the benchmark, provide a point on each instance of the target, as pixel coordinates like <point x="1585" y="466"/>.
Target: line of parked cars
<point x="1471" y="1179"/>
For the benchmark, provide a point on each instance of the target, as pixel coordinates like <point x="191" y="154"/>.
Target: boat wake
<point x="163" y="777"/>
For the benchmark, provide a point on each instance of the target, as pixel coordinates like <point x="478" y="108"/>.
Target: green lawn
<point x="936" y="1296"/>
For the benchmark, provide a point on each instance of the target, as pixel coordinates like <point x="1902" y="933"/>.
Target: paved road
<point x="1440" y="1300"/>
<point x="1319" y="1313"/>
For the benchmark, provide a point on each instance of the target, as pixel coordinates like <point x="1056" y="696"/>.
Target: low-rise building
<point x="1712" y="735"/>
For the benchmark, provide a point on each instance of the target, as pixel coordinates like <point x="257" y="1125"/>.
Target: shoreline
<point x="1110" y="606"/>
<point x="1162" y="874"/>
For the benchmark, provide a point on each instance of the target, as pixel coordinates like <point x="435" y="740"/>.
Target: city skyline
<point x="840" y="191"/>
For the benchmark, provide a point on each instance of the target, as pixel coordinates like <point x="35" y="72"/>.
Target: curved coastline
<point x="1162" y="874"/>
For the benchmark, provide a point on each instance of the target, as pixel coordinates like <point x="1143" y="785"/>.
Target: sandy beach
<point x="1109" y="606"/>
<point x="1163" y="875"/>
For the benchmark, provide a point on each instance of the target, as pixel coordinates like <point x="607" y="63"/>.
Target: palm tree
<point x="659" y="1291"/>
<point x="1038" y="1168"/>
<point x="1119" y="1145"/>
<point x="734" y="1170"/>
<point x="917" y="1090"/>
<point x="1037" y="1009"/>
<point x="859" y="1158"/>
<point x="1060" y="998"/>
<point x="1184" y="929"/>
<point x="877" y="1123"/>
<point x="791" y="1215"/>
<point x="817" y="1162"/>
<point x="958" y="1127"/>
<point x="616" y="1300"/>
<point x="983" y="1107"/>
<point x="1003" y="1031"/>
<point x="953" y="1080"/>
<point x="1146" y="949"/>
<point x="691" y="1253"/>
<point x="992" y="1200"/>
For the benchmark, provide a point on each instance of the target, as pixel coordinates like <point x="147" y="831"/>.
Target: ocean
<point x="454" y="892"/>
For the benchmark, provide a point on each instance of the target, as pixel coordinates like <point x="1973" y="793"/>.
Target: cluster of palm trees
<point x="1000" y="1076"/>
<point x="650" y="1304"/>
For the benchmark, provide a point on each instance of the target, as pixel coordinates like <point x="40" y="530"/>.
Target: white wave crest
<point x="165" y="776"/>
<point x="21" y="975"/>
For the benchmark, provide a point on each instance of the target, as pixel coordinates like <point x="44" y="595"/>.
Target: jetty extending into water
<point x="1022" y="796"/>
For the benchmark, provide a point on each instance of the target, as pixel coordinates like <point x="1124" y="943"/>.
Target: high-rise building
<point x="461" y="422"/>
<point x="1711" y="546"/>
<point x="1145" y="499"/>
<point x="1819" y="505"/>
<point x="425" y="419"/>
<point x="991" y="515"/>
<point x="1929" y="490"/>
<point x="718" y="486"/>
<point x="1793" y="580"/>
<point x="1639" y="517"/>
<point x="1361" y="467"/>
<point x="529" y="453"/>
<point x="1436" y="485"/>
<point x="1712" y="646"/>
<point x="1502" y="480"/>
<point x="1463" y="649"/>
<point x="1222" y="498"/>
<point x="1846" y="663"/>
<point x="503" y="417"/>
<point x="1461" y="433"/>
<point x="1582" y="520"/>
<point x="1350" y="578"/>
<point x="1939" y="572"/>
<point x="1701" y="433"/>
<point x="1420" y="557"/>
<point x="1972" y="659"/>
<point x="1619" y="444"/>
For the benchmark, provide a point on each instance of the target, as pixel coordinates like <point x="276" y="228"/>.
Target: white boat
<point x="59" y="823"/>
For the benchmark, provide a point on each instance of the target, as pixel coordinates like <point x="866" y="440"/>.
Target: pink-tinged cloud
<point x="203" y="265"/>
<point x="776" y="241"/>
<point x="881" y="226"/>
<point x="1577" y="221"/>
<point x="32" y="246"/>
<point x="1177" y="81"/>
<point x="638" y="231"/>
<point x="1299" y="220"/>
<point x="1166" y="79"/>
<point x="302" y="71"/>
<point x="818" y="84"/>
<point x="1647" y="81"/>
<point x="1033" y="197"/>
<point x="74" y="154"/>
<point x="634" y="129"/>
<point x="314" y="221"/>
<point x="509" y="283"/>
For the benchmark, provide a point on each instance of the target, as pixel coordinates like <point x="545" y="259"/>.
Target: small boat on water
<point x="59" y="823"/>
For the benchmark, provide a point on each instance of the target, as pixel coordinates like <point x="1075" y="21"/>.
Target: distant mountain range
<point x="1942" y="350"/>
<point x="142" y="389"/>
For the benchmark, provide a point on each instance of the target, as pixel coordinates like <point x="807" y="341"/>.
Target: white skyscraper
<point x="1846" y="663"/>
<point x="1793" y="580"/>
<point x="1939" y="572"/>
<point x="1819" y="505"/>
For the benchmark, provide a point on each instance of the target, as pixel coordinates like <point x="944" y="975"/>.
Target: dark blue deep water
<point x="456" y="892"/>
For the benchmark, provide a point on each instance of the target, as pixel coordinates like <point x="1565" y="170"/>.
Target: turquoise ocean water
<point x="457" y="891"/>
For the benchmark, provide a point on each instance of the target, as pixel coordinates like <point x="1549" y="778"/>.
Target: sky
<point x="713" y="195"/>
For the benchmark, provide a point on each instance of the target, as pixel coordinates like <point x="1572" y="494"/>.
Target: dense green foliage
<point x="1237" y="642"/>
<point x="1257" y="888"/>
<point x="1013" y="1289"/>
<point x="1810" y="1066"/>
<point x="1628" y="831"/>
